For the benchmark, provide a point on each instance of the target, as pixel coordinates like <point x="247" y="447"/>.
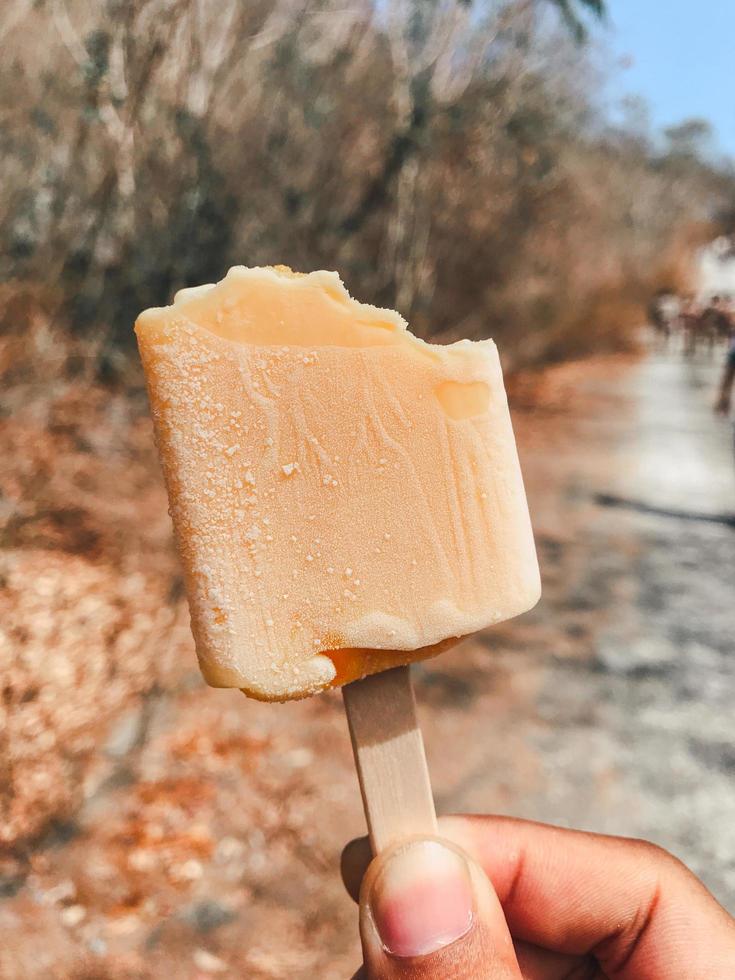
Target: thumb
<point x="428" y="912"/>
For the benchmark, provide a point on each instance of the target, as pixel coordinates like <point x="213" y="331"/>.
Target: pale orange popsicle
<point x="345" y="497"/>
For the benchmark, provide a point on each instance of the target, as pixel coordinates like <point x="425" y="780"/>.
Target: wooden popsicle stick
<point x="390" y="759"/>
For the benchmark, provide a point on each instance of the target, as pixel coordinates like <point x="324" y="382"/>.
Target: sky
<point x="681" y="56"/>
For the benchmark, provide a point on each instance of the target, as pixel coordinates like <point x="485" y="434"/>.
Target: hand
<point x="563" y="905"/>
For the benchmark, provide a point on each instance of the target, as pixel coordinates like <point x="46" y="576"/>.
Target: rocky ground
<point x="151" y="826"/>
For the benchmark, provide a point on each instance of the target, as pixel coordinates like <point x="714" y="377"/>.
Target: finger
<point x="535" y="963"/>
<point x="519" y="844"/>
<point x="355" y="860"/>
<point x="428" y="912"/>
<point x="636" y="908"/>
<point x="541" y="964"/>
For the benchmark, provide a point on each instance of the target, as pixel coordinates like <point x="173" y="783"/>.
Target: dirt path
<point x="626" y="671"/>
<point x="207" y="837"/>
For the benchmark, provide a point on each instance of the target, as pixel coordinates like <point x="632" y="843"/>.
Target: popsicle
<point x="346" y="498"/>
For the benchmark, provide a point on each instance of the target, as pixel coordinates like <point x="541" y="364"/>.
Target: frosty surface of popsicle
<point x="345" y="497"/>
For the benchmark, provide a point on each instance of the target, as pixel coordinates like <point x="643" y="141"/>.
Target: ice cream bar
<point x="346" y="497"/>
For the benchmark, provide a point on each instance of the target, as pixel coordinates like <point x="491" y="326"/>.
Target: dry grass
<point x="447" y="159"/>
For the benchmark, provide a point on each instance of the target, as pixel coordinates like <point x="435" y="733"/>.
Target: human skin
<point x="502" y="899"/>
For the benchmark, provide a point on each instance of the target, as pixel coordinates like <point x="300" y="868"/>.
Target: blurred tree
<point x="690" y="138"/>
<point x="447" y="158"/>
<point x="571" y="11"/>
<point x="637" y="118"/>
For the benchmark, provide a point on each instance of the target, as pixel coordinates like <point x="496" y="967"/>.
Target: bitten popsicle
<point x="345" y="497"/>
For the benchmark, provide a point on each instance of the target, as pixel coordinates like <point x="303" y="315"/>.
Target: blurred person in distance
<point x="716" y="321"/>
<point x="726" y="309"/>
<point x="724" y="395"/>
<point x="690" y="321"/>
<point x="495" y="898"/>
<point x="663" y="310"/>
